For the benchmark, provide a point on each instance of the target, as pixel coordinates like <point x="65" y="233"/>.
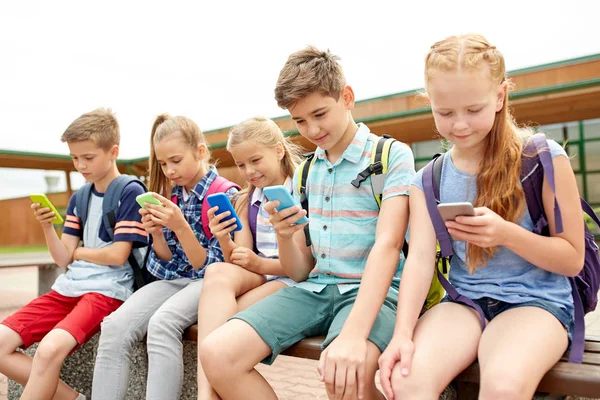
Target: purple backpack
<point x="584" y="286"/>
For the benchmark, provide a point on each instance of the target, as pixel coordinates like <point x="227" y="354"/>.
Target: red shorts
<point x="80" y="316"/>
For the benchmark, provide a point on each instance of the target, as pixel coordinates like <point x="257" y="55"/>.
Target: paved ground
<point x="292" y="378"/>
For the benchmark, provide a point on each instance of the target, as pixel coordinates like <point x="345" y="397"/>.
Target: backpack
<point x="110" y="204"/>
<point x="584" y="287"/>
<point x="377" y="170"/>
<point x="218" y="185"/>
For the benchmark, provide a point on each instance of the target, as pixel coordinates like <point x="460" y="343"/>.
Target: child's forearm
<point x="160" y="247"/>
<point x="270" y="266"/>
<point x="414" y="287"/>
<point x="193" y="249"/>
<point x="114" y="255"/>
<point x="60" y="253"/>
<point x="374" y="287"/>
<point x="227" y="245"/>
<point x="296" y="263"/>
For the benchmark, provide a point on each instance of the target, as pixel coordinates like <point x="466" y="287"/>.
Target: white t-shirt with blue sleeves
<point x="115" y="281"/>
<point x="507" y="276"/>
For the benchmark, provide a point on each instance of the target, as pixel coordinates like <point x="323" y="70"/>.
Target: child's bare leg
<point x="45" y="369"/>
<point x="517" y="348"/>
<point x="257" y="294"/>
<point x="17" y="366"/>
<point x="223" y="283"/>
<point x="229" y="356"/>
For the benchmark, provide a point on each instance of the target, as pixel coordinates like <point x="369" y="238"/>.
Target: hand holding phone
<point x="222" y="201"/>
<point x="281" y="194"/>
<point x="45" y="202"/>
<point x="449" y="211"/>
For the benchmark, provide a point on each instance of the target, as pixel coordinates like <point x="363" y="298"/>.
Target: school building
<point x="561" y="99"/>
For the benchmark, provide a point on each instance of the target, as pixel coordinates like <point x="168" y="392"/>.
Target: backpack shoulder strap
<point x="82" y="202"/>
<point x="431" y="189"/>
<point x="536" y="154"/>
<point x="380" y="155"/>
<point x="112" y="198"/>
<point x="252" y="215"/>
<point x="303" y="170"/>
<point x="218" y="185"/>
<point x="378" y="167"/>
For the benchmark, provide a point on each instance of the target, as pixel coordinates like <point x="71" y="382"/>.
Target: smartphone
<point x="222" y="201"/>
<point x="449" y="211"/>
<point x="44" y="201"/>
<point x="281" y="194"/>
<point x="147" y="198"/>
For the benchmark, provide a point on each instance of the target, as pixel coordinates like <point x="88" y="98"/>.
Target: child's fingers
<point x="42" y="211"/>
<point x="270" y="206"/>
<point x="157" y="221"/>
<point x="46" y="219"/>
<point x="288" y="212"/>
<point x="211" y="212"/>
<point x="158" y="212"/>
<point x="219" y="217"/>
<point x="295" y="218"/>
<point x="163" y="200"/>
<point x="224" y="225"/>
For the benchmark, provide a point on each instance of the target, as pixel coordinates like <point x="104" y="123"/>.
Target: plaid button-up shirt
<point x="179" y="265"/>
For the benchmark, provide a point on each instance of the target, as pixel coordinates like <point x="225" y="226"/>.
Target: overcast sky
<point x="217" y="62"/>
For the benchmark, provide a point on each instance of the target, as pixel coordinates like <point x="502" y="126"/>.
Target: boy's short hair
<point x="307" y="71"/>
<point x="99" y="125"/>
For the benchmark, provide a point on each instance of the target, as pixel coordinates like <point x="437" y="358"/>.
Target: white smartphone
<point x="449" y="211"/>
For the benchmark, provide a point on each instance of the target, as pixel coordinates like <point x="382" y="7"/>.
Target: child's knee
<point x="214" y="355"/>
<point x="50" y="351"/>
<point x="412" y="386"/>
<point x="502" y="384"/>
<point x="216" y="276"/>
<point x="9" y="341"/>
<point x="116" y="335"/>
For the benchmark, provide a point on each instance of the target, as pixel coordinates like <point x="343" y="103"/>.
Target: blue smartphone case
<point x="281" y="194"/>
<point x="222" y="201"/>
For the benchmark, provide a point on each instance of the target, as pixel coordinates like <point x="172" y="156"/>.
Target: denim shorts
<point x="492" y="308"/>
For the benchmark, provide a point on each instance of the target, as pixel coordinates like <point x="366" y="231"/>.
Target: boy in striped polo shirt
<point x="348" y="278"/>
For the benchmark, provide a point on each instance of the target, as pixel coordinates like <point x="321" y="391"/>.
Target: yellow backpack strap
<point x="303" y="170"/>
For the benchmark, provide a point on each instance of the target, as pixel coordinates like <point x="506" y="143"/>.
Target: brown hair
<point x="165" y="125"/>
<point x="307" y="71"/>
<point x="99" y="125"/>
<point x="498" y="179"/>
<point x="266" y="133"/>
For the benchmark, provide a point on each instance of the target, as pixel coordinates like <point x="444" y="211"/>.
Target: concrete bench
<point x="48" y="271"/>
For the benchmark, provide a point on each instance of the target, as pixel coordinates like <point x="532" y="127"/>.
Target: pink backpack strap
<point x="219" y="185"/>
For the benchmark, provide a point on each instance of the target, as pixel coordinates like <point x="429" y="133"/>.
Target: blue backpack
<point x="110" y="205"/>
<point x="584" y="287"/>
